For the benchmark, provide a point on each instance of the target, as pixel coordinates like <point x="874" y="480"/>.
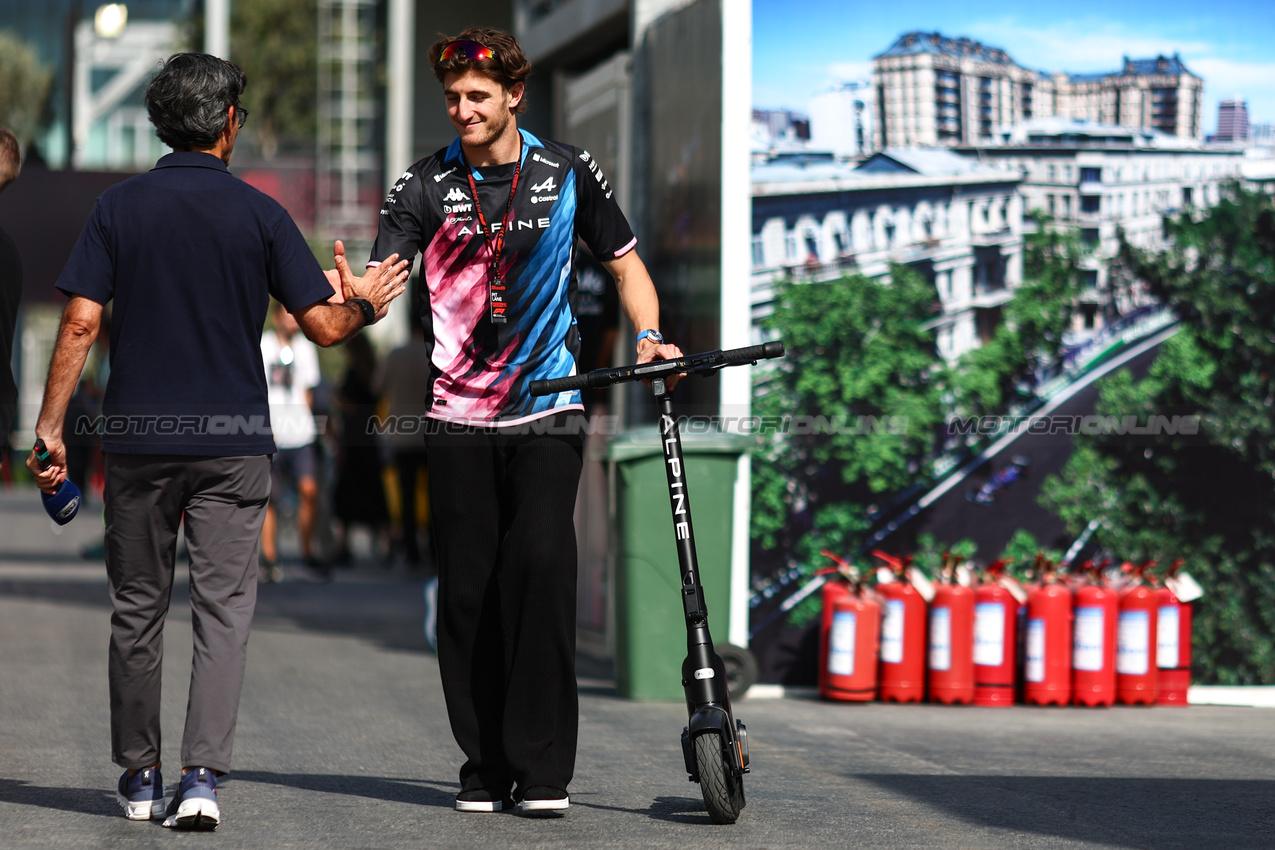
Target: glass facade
<point x="113" y="138"/>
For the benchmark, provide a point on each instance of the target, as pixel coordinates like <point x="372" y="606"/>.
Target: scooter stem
<point x="703" y="673"/>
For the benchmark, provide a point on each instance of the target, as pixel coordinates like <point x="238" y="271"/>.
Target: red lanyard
<point x="495" y="244"/>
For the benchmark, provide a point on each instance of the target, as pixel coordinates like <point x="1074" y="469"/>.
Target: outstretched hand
<point x="380" y="285"/>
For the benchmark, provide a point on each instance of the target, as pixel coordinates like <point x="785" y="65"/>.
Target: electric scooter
<point x="714" y="743"/>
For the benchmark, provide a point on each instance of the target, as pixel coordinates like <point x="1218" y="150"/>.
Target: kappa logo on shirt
<point x="456" y="197"/>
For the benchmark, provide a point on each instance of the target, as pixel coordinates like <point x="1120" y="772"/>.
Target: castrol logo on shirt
<point x="547" y="186"/>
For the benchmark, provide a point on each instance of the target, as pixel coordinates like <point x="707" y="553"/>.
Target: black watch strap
<point x="369" y="312"/>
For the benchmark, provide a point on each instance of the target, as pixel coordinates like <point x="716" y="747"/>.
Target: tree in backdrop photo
<point x="1203" y="497"/>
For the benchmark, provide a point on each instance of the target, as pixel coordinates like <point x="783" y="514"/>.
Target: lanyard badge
<point x="497" y="306"/>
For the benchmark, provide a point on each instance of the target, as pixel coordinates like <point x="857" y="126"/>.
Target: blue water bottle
<point x="63" y="504"/>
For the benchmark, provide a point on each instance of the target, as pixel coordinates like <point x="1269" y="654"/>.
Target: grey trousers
<point x="223" y="501"/>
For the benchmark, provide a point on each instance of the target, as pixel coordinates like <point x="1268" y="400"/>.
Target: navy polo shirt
<point x="189" y="256"/>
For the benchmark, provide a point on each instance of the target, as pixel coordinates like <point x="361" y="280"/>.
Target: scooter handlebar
<point x="705" y="363"/>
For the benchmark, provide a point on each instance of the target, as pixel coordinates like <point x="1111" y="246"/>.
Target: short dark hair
<point x="188" y="99"/>
<point x="508" y="66"/>
<point x="10" y="157"/>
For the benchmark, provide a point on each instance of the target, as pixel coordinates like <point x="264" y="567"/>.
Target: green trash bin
<point x="650" y="630"/>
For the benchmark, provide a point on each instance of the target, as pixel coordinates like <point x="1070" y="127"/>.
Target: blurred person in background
<point x="292" y="372"/>
<point x="10" y="295"/>
<point x="403" y="381"/>
<point x="359" y="495"/>
<point x="189" y="257"/>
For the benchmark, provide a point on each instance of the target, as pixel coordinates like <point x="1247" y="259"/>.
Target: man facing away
<point x="496" y="215"/>
<point x="190" y="256"/>
<point x="10" y="293"/>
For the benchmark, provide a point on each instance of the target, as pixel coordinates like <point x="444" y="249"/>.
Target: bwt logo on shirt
<point x="457" y="195"/>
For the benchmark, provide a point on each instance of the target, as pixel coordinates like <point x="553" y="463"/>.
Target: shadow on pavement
<point x="390" y="613"/>
<point x="431" y="792"/>
<point x="670" y="809"/>
<point x="88" y="801"/>
<point x="91" y="593"/>
<point x="424" y="792"/>
<point x="1111" y="811"/>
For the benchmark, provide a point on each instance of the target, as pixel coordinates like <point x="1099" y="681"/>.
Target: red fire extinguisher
<point x="1136" y="639"/>
<point x="1173" y="644"/>
<point x="1093" y="647"/>
<point x="951" y="657"/>
<point x="1047" y="672"/>
<point x="902" y="635"/>
<point x="848" y="636"/>
<point x="995" y="618"/>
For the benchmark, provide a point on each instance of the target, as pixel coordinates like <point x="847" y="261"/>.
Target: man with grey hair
<point x="10" y="292"/>
<point x="190" y="256"/>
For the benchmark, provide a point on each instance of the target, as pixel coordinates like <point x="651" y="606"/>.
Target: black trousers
<point x="503" y="503"/>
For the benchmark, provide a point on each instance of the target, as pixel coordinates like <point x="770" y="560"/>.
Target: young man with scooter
<point x="495" y="216"/>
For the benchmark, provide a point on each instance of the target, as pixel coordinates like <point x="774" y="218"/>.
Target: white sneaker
<point x="479" y="800"/>
<point x="541" y="799"/>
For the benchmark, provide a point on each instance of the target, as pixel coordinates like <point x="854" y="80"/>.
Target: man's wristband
<point x="651" y="334"/>
<point x="365" y="307"/>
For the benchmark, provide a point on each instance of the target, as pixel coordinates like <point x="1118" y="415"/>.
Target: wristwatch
<point x="369" y="312"/>
<point x="653" y="335"/>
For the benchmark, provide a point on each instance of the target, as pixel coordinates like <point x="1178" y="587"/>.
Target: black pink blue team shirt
<point x="480" y="371"/>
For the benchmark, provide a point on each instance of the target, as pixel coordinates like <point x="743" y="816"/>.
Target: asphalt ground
<point x="343" y="742"/>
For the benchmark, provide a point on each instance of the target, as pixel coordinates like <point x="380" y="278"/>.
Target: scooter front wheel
<point x="722" y="788"/>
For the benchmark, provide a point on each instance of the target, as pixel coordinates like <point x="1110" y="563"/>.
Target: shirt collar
<point x="191" y="159"/>
<point x="528" y="141"/>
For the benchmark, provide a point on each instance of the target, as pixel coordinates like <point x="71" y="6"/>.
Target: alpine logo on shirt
<point x="547" y="186"/>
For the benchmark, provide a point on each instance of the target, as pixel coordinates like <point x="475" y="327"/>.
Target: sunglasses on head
<point x="465" y="49"/>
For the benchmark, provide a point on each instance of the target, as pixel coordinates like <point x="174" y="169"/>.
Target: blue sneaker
<point x="142" y="794"/>
<point x="195" y="804"/>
